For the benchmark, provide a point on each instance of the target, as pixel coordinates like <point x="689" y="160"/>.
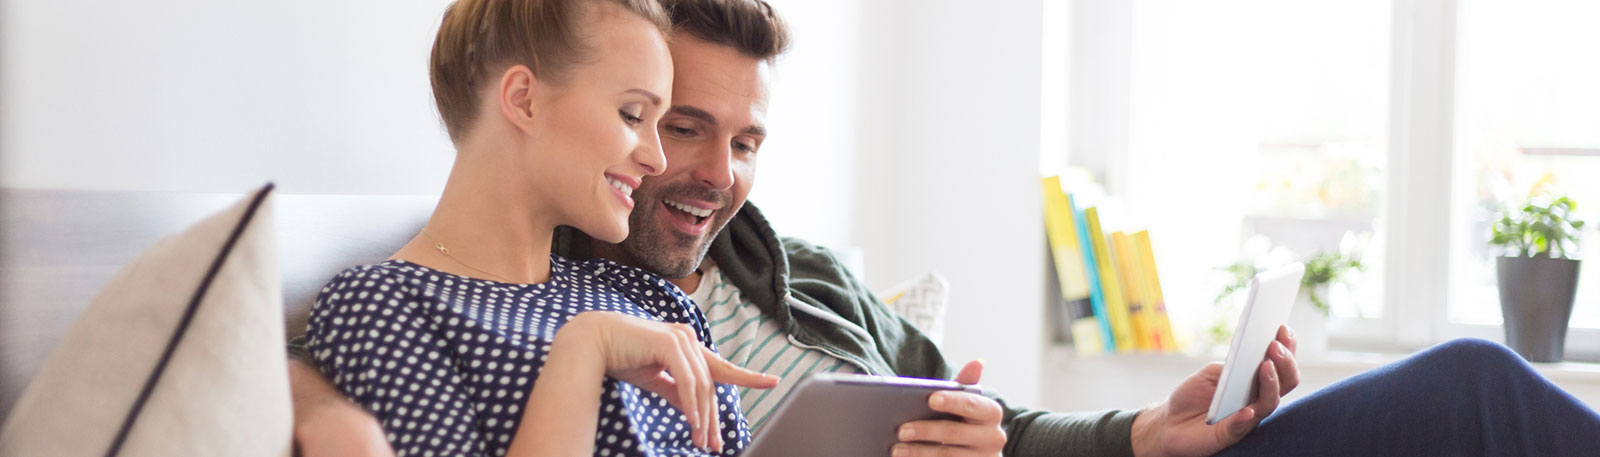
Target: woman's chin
<point x="613" y="234"/>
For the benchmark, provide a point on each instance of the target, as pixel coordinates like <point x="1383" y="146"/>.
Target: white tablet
<point x="831" y="414"/>
<point x="1267" y="304"/>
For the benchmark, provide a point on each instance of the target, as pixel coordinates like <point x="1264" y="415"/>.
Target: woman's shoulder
<point x="384" y="281"/>
<point x="388" y="272"/>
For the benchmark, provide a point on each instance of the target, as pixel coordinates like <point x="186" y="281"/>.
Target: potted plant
<point x="1309" y="319"/>
<point x="1537" y="274"/>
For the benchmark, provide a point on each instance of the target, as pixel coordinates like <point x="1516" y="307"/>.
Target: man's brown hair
<point x="479" y="38"/>
<point x="750" y="26"/>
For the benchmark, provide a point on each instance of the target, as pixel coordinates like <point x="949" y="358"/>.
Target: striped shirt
<point x="754" y="341"/>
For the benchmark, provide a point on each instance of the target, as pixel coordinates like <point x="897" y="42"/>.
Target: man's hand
<point x="328" y="425"/>
<point x="977" y="434"/>
<point x="1177" y="427"/>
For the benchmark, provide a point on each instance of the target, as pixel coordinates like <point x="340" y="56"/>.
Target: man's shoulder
<point x="807" y="255"/>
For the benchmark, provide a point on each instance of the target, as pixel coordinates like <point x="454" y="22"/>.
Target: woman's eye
<point x="630" y="118"/>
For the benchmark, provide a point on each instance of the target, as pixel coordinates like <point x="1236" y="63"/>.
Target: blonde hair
<point x="478" y="37"/>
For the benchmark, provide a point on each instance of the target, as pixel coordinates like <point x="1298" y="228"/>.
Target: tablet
<point x="836" y="414"/>
<point x="1266" y="307"/>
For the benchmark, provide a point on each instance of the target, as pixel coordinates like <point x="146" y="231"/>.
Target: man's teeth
<point x="626" y="189"/>
<point x="697" y="212"/>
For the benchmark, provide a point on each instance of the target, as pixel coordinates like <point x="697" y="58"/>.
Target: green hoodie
<point x="770" y="272"/>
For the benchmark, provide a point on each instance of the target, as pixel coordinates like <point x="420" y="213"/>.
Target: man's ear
<point x="515" y="95"/>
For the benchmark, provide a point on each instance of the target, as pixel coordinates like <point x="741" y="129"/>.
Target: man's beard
<point x="658" y="249"/>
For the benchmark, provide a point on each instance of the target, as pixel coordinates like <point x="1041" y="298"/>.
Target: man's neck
<point x="690" y="283"/>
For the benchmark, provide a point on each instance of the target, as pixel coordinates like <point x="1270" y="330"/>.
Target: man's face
<point x="710" y="136"/>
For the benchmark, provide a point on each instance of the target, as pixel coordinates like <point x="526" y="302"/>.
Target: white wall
<point x="948" y="173"/>
<point x="807" y="173"/>
<point x="200" y="95"/>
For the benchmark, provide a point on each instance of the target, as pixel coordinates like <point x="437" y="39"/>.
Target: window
<point x="1400" y="119"/>
<point x="1527" y="114"/>
<point x="1243" y="118"/>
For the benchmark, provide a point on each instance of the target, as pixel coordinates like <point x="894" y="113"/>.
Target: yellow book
<point x="1061" y="230"/>
<point x="1110" y="286"/>
<point x="1156" y="306"/>
<point x="1131" y="273"/>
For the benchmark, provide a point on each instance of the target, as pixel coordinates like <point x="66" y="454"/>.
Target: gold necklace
<point x="446" y="252"/>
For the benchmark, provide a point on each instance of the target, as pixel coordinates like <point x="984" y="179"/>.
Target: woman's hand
<point x="663" y="358"/>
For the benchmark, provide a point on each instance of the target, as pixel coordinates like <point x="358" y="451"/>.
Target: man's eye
<point x="679" y="131"/>
<point x="744" y="147"/>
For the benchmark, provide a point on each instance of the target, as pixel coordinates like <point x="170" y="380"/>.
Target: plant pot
<point x="1310" y="327"/>
<point x="1536" y="295"/>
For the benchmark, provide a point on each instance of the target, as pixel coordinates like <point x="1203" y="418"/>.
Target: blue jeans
<point x="1461" y="398"/>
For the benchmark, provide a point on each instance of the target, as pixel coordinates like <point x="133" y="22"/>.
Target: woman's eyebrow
<point x="654" y="99"/>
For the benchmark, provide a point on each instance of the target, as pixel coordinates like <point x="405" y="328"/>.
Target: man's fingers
<point x="971" y="407"/>
<point x="1288" y="366"/>
<point x="726" y="372"/>
<point x="1211" y="372"/>
<point x="930" y="450"/>
<point x="971" y="373"/>
<point x="1235" y="427"/>
<point x="952" y="433"/>
<point x="1267" y="390"/>
<point x="1286" y="336"/>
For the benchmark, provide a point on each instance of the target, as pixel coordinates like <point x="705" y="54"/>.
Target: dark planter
<point x="1536" y="295"/>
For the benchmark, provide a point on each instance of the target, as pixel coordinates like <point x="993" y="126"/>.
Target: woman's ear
<point x="515" y="96"/>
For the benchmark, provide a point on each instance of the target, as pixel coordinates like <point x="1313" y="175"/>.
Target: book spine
<point x="1092" y="274"/>
<point x="1061" y="232"/>
<point x="1160" y="321"/>
<point x="1110" y="287"/>
<point x="1124" y="253"/>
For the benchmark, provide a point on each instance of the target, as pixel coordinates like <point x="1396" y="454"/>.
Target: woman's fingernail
<point x="901" y="451"/>
<point x="937" y="401"/>
<point x="906" y="433"/>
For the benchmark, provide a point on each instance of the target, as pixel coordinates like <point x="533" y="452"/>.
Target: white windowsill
<point x="1078" y="383"/>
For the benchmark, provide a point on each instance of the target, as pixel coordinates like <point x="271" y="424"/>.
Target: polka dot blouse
<point x="447" y="362"/>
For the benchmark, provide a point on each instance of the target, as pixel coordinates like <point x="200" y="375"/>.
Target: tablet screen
<point x="847" y="415"/>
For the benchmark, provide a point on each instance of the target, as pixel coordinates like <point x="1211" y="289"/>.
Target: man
<point x="785" y="307"/>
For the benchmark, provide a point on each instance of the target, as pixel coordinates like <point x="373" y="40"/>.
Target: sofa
<point x="59" y="248"/>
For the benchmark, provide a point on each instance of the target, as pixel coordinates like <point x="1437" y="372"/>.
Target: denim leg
<point x="1462" y="398"/>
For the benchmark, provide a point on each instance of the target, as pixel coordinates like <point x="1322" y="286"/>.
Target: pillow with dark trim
<point x="922" y="301"/>
<point x="180" y="355"/>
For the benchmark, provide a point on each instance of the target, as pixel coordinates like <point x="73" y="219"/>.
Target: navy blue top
<point x="447" y="362"/>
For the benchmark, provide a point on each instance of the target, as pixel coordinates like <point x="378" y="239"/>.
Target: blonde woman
<point x="473" y="339"/>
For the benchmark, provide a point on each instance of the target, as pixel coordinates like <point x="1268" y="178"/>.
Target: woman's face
<point x="594" y="136"/>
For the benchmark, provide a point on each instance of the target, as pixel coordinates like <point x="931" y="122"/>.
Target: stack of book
<point x="1108" y="283"/>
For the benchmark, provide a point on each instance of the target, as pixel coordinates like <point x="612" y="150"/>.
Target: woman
<point x="473" y="338"/>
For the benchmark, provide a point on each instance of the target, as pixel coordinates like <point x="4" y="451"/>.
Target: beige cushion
<point x="921" y="301"/>
<point x="224" y="389"/>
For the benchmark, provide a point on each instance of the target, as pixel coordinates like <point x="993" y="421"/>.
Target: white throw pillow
<point x="921" y="301"/>
<point x="180" y="355"/>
